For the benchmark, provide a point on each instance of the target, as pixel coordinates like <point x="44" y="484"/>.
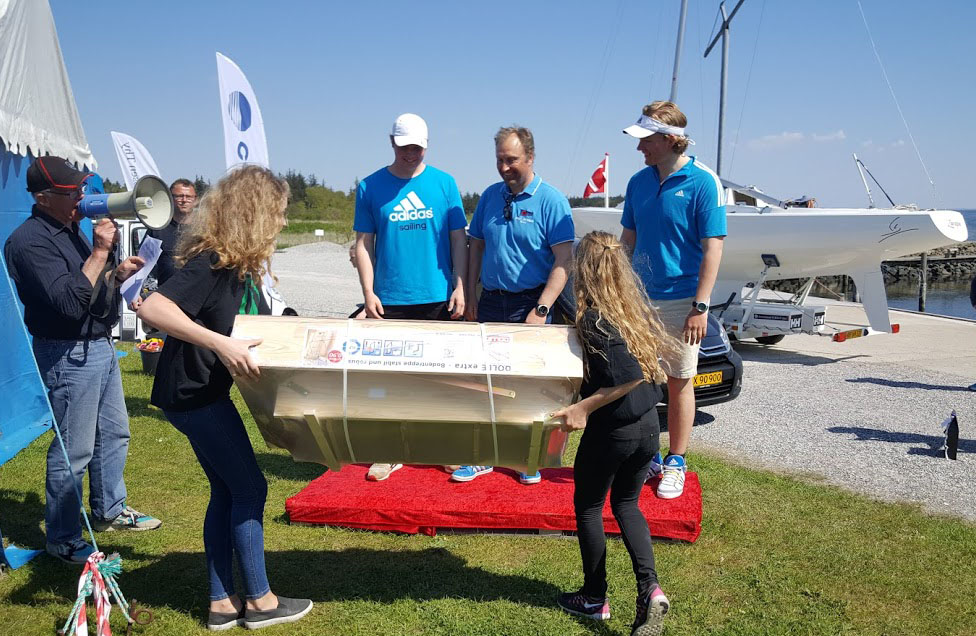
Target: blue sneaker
<point x="657" y="467"/>
<point x="467" y="473"/>
<point x="530" y="479"/>
<point x="75" y="551"/>
<point x="672" y="478"/>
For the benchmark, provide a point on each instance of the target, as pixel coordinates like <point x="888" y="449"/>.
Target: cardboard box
<point x="349" y="391"/>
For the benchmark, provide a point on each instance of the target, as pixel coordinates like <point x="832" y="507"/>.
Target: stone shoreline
<point x="963" y="269"/>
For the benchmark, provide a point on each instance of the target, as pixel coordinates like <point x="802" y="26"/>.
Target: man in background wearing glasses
<point x="67" y="286"/>
<point x="521" y="247"/>
<point x="185" y="198"/>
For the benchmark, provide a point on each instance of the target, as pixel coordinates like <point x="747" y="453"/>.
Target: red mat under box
<point x="422" y="499"/>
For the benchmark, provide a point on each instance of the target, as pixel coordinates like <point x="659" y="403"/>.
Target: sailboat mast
<point x="724" y="34"/>
<point x="677" y="50"/>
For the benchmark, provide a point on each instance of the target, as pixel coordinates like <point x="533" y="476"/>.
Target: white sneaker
<point x="673" y="478"/>
<point x="379" y="472"/>
<point x="657" y="465"/>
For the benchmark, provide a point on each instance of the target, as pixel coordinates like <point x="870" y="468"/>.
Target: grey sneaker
<point x="289" y="610"/>
<point x="128" y="519"/>
<point x="218" y="621"/>
<point x="379" y="472"/>
<point x="76" y="551"/>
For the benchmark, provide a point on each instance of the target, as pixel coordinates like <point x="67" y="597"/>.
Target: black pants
<point x="614" y="461"/>
<point x="427" y="311"/>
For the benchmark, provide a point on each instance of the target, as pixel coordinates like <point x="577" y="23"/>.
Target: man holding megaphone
<point x="68" y="286"/>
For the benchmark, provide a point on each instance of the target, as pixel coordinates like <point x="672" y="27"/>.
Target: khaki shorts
<point x="683" y="363"/>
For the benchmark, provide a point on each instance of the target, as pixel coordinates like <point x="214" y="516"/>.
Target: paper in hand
<point x="149" y="251"/>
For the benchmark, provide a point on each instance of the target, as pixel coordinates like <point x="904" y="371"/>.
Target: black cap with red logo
<point x="53" y="173"/>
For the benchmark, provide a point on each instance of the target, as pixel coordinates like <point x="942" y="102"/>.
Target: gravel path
<point x="873" y="428"/>
<point x="851" y="414"/>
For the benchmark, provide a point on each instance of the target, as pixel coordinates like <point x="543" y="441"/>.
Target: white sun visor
<point x="647" y="126"/>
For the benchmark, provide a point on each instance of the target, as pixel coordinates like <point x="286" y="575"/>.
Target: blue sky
<point x="805" y="88"/>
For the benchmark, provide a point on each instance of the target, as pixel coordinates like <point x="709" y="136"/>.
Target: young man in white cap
<point x="674" y="224"/>
<point x="411" y="248"/>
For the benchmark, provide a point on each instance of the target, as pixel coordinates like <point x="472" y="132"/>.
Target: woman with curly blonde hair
<point x="622" y="339"/>
<point x="225" y="248"/>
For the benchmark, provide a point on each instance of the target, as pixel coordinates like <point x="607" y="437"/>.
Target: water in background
<point x="945" y="298"/>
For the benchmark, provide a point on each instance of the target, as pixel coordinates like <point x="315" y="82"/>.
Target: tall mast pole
<point x="677" y="50"/>
<point x="606" y="180"/>
<point x="724" y="34"/>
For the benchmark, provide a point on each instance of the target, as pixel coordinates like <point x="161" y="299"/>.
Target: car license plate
<point x="708" y="379"/>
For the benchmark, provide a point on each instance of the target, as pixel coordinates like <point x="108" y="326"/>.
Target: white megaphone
<point x="150" y="202"/>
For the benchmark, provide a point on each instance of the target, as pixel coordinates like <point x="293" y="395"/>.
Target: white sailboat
<point x="768" y="240"/>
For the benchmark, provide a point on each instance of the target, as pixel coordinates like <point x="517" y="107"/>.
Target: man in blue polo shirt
<point x="521" y="247"/>
<point x="66" y="285"/>
<point x="411" y="249"/>
<point x="674" y="224"/>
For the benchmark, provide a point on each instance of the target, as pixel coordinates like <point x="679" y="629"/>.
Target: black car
<point x="719" y="377"/>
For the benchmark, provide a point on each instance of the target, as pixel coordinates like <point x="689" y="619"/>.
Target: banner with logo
<point x="244" y="140"/>
<point x="134" y="159"/>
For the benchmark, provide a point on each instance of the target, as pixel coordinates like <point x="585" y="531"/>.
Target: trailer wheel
<point x="770" y="340"/>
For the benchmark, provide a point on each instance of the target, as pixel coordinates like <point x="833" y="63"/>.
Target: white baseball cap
<point x="410" y="129"/>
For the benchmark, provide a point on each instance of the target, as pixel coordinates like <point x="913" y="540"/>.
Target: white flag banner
<point x="134" y="159"/>
<point x="244" y="140"/>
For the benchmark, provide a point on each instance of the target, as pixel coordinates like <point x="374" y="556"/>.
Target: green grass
<point x="777" y="555"/>
<point x="303" y="231"/>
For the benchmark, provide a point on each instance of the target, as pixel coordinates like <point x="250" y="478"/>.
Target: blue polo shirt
<point x="518" y="253"/>
<point x="670" y="220"/>
<point x="412" y="220"/>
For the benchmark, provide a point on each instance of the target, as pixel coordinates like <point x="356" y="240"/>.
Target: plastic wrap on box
<point x="347" y="391"/>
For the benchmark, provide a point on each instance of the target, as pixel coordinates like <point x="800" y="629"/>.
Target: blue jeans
<point x="85" y="389"/>
<point x="235" y="515"/>
<point x="508" y="307"/>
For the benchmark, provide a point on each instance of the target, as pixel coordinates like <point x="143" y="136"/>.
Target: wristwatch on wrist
<point x="698" y="306"/>
<point x="542" y="310"/>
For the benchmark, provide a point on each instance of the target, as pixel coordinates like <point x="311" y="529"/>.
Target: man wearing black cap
<point x="68" y="288"/>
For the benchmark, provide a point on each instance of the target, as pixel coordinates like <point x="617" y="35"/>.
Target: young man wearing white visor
<point x="674" y="224"/>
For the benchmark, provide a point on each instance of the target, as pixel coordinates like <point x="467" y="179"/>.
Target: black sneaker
<point x="218" y="621"/>
<point x="289" y="610"/>
<point x="651" y="609"/>
<point x="579" y="604"/>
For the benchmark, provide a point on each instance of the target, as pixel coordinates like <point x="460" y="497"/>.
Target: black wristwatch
<point x="699" y="306"/>
<point x="542" y="310"/>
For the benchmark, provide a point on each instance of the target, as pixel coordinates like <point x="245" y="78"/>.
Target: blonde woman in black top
<point x="622" y="339"/>
<point x="220" y="256"/>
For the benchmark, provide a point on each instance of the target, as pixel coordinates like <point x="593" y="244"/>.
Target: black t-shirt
<point x="169" y="235"/>
<point x="190" y="377"/>
<point x="618" y="367"/>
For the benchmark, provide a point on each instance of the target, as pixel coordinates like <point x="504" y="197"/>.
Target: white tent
<point x="37" y="110"/>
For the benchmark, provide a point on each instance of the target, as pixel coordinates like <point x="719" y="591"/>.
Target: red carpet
<point x="422" y="499"/>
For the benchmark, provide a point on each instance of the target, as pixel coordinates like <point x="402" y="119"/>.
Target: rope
<point x="491" y="390"/>
<point x="745" y="94"/>
<point x="345" y="399"/>
<point x="597" y="89"/>
<point x="904" y="121"/>
<point x="97" y="580"/>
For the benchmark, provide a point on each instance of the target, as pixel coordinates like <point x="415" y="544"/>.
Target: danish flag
<point x="598" y="181"/>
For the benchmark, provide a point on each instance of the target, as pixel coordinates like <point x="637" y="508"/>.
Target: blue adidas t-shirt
<point x="670" y="220"/>
<point x="412" y="220"/>
<point x="518" y="253"/>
